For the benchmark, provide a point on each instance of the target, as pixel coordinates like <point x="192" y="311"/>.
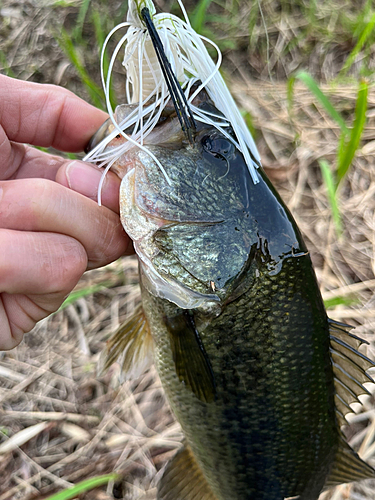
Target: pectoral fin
<point x="132" y="346"/>
<point x="349" y="368"/>
<point x="191" y="361"/>
<point x="183" y="479"/>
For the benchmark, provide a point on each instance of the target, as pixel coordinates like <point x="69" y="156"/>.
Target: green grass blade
<point x="346" y="158"/>
<point x="96" y="93"/>
<point x="78" y="294"/>
<point x="4" y="66"/>
<point x="339" y="301"/>
<point x="100" y="35"/>
<point x="290" y="94"/>
<point x="249" y="122"/>
<point x="343" y="141"/>
<point x="311" y="84"/>
<point x="82" y="487"/>
<point x="330" y="183"/>
<point x="99" y="30"/>
<point x="72" y="156"/>
<point x="253" y="17"/>
<point x="197" y="18"/>
<point x="361" y="42"/>
<point x="77" y="32"/>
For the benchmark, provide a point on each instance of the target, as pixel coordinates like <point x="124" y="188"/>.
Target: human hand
<point x="49" y="234"/>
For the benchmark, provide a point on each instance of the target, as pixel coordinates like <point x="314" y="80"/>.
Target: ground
<point x="81" y="423"/>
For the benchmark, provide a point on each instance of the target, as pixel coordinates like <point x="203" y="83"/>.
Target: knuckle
<point x="21" y="206"/>
<point x="73" y="263"/>
<point x="112" y="243"/>
<point x="9" y="340"/>
<point x="61" y="261"/>
<point x="10" y="334"/>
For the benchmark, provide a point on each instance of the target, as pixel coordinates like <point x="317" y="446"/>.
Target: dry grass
<point x="89" y="423"/>
<point x="93" y="424"/>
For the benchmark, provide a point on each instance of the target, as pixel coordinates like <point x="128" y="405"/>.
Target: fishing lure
<point x="147" y="88"/>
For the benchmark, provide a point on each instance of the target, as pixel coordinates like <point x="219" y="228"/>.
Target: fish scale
<point x="256" y="401"/>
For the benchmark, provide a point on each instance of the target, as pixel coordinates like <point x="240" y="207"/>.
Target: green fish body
<point x="257" y="375"/>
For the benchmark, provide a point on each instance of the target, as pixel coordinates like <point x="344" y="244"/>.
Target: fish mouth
<point x="178" y="97"/>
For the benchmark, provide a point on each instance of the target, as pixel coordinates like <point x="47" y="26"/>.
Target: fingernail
<point x="83" y="178"/>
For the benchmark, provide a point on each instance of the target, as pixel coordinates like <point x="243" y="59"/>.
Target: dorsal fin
<point x="131" y="345"/>
<point x="349" y="368"/>
<point x="183" y="479"/>
<point x="343" y="331"/>
<point x="348" y="467"/>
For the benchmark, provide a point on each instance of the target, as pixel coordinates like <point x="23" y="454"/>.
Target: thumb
<point x="84" y="178"/>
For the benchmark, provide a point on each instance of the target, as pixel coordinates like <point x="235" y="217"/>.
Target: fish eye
<point x="217" y="146"/>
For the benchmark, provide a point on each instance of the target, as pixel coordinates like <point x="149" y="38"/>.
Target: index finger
<point x="46" y="115"/>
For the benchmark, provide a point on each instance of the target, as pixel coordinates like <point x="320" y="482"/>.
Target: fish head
<point x="186" y="207"/>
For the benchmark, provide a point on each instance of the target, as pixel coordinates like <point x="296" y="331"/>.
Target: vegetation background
<point x="303" y="74"/>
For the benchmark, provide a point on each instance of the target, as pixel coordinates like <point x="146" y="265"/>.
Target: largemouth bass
<point x="257" y="375"/>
